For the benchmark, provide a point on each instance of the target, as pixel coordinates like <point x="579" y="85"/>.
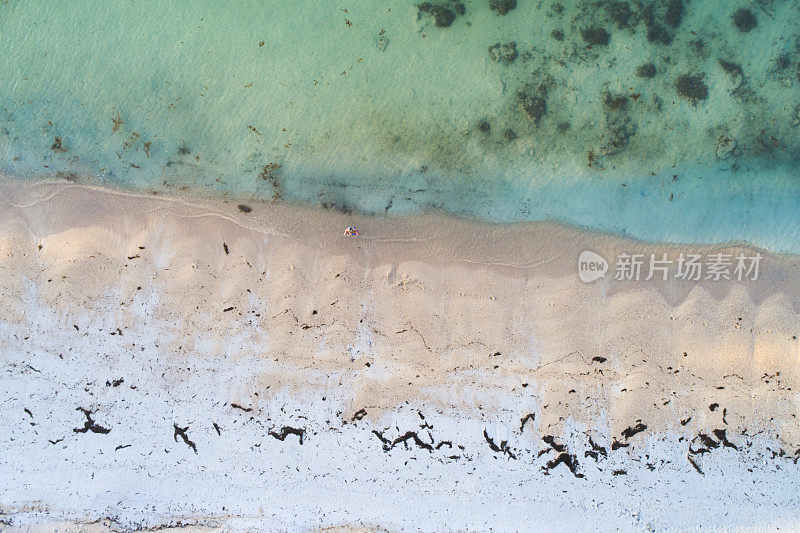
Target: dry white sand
<point x="430" y="373"/>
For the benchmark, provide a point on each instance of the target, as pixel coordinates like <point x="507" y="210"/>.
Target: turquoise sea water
<point x="664" y="120"/>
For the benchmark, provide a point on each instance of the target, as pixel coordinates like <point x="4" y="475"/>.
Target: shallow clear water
<point x="369" y="105"/>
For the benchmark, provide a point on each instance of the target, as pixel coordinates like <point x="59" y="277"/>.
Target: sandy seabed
<point x="186" y="363"/>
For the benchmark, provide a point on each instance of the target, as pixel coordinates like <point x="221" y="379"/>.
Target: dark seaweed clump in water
<point x="648" y="70"/>
<point x="699" y="47"/>
<point x="503" y="53"/>
<point x="502" y="6"/>
<point x="341" y="207"/>
<point x="657" y="33"/>
<point x="57" y="145"/>
<point x="621" y="131"/>
<point x="783" y="62"/>
<point x="443" y="16"/>
<point x="691" y="86"/>
<point x="620" y="13"/>
<point x="744" y="20"/>
<point x="734" y="69"/>
<point x="558" y="35"/>
<point x="674" y="14"/>
<point x="615" y="102"/>
<point x="596" y="36"/>
<point x="658" y="25"/>
<point x="534" y="106"/>
<point x="484" y="126"/>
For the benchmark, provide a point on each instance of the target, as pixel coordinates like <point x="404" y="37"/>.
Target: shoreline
<point x="173" y="322"/>
<point x="549" y="248"/>
<point x="585" y="140"/>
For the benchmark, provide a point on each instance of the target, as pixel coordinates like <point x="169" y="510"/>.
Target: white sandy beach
<point x="172" y="362"/>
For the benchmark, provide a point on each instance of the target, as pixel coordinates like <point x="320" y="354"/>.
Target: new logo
<point x="591" y="266"/>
